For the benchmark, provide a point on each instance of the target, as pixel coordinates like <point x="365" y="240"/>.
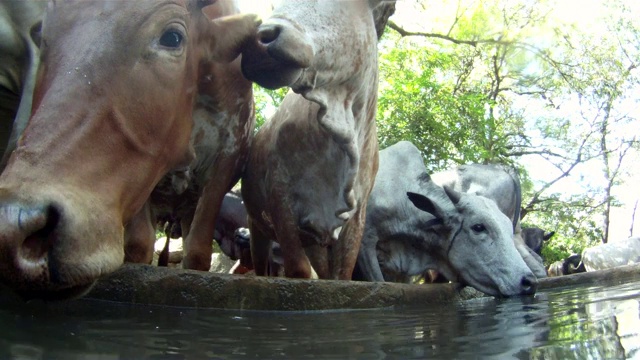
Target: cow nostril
<point x="269" y="33"/>
<point x="242" y="237"/>
<point x="37" y="244"/>
<point x="529" y="284"/>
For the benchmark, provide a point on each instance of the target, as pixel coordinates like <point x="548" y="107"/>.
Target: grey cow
<point x="413" y="225"/>
<point x="534" y="238"/>
<point x="502" y="185"/>
<point x="313" y="164"/>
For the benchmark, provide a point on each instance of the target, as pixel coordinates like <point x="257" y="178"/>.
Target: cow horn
<point x="453" y="195"/>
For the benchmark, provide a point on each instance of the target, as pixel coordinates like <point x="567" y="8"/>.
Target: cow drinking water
<point x="502" y="185"/>
<point x="461" y="235"/>
<point x="112" y="111"/>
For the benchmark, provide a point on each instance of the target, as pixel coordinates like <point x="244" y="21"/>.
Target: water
<point x="563" y="323"/>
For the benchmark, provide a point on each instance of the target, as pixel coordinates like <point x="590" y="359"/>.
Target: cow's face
<point x="308" y="44"/>
<point x="478" y="247"/>
<point x="111" y="115"/>
<point x="535" y="237"/>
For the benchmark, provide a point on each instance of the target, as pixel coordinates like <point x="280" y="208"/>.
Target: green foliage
<point x="266" y="102"/>
<point x="417" y="103"/>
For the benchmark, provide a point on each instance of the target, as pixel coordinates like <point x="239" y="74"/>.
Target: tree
<point x="498" y="84"/>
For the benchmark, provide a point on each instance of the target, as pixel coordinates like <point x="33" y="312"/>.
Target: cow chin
<point x="56" y="244"/>
<point x="497" y="280"/>
<point x="502" y="286"/>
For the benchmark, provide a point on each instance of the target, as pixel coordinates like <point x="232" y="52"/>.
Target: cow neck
<point x="347" y="114"/>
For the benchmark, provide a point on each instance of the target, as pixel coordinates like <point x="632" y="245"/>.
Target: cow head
<point x="292" y="50"/>
<point x="477" y="243"/>
<point x="111" y="115"/>
<point x="535" y="237"/>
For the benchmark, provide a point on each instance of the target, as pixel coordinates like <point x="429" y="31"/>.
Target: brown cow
<point x="112" y="111"/>
<point x="312" y="166"/>
<point x="224" y="122"/>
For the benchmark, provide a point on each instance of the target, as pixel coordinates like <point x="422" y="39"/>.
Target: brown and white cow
<point x="112" y="112"/>
<point x="313" y="164"/>
<point x="223" y="126"/>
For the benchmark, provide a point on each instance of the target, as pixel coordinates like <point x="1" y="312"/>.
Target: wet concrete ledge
<point x="142" y="284"/>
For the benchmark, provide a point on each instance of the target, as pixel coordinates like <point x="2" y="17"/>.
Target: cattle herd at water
<point x="119" y="116"/>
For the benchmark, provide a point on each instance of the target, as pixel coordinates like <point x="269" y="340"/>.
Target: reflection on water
<point x="567" y="323"/>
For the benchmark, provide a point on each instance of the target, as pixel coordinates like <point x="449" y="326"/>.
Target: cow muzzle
<point x="278" y="55"/>
<point x="528" y="285"/>
<point x="43" y="256"/>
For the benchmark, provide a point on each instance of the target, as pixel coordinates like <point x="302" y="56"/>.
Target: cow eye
<point x="171" y="39"/>
<point x="478" y="228"/>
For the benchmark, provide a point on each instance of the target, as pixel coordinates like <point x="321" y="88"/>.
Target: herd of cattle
<point x="118" y="116"/>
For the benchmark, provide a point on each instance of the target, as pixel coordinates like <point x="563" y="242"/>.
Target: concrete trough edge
<point x="150" y="285"/>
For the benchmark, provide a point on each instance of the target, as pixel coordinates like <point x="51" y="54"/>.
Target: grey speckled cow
<point x="464" y="236"/>
<point x="313" y="164"/>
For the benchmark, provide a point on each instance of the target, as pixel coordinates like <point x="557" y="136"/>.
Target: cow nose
<point x="268" y="33"/>
<point x="529" y="284"/>
<point x="26" y="238"/>
<point x="290" y="46"/>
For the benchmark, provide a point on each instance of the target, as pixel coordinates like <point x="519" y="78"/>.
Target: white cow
<point x="612" y="254"/>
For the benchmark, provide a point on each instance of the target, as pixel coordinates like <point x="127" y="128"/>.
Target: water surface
<point x="563" y="323"/>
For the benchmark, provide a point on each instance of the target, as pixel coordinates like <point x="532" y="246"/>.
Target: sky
<point x="584" y="14"/>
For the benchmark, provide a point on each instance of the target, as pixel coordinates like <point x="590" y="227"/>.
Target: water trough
<point x="149" y="285"/>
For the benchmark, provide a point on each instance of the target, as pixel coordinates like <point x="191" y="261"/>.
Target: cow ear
<point x="425" y="204"/>
<point x="230" y="34"/>
<point x="453" y="195"/>
<point x="548" y="235"/>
